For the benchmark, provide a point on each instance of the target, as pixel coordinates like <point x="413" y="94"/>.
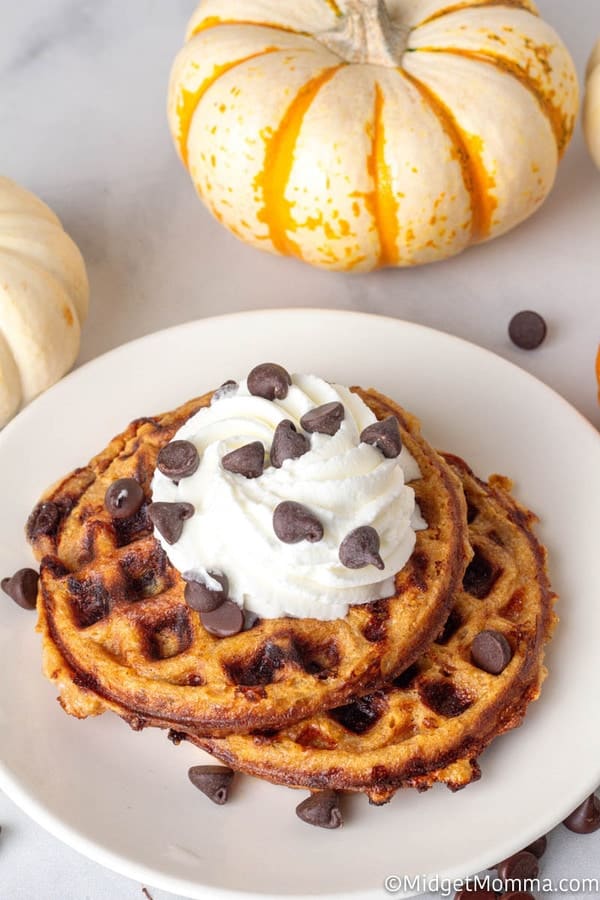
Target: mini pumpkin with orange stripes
<point x="355" y="134"/>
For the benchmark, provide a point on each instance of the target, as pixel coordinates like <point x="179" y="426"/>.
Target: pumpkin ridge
<point x="559" y="121"/>
<point x="215" y="22"/>
<point x="279" y="161"/>
<point x="68" y="308"/>
<point x="188" y="101"/>
<point x="477" y="179"/>
<point x="382" y="203"/>
<point x="458" y="7"/>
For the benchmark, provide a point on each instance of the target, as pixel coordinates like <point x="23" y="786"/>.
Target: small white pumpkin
<point x="591" y="111"/>
<point x="43" y="298"/>
<point x="355" y="134"/>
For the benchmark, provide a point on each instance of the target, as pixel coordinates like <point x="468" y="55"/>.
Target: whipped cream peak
<point x="345" y="483"/>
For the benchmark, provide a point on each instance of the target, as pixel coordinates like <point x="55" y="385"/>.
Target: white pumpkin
<point x="591" y="112"/>
<point x="362" y="133"/>
<point x="43" y="298"/>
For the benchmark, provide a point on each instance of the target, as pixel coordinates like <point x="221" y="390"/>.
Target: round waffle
<point x="432" y="722"/>
<point x="118" y="634"/>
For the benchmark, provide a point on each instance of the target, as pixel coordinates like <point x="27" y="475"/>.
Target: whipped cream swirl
<point x="345" y="483"/>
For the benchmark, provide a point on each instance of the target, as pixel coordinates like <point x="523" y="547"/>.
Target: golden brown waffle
<point x="118" y="634"/>
<point x="434" y="720"/>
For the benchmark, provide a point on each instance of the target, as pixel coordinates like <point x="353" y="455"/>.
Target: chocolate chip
<point x="288" y="443"/>
<point x="480" y="577"/>
<point x="214" y="781"/>
<point x="228" y="389"/>
<point x="22" y="587"/>
<point x="248" y="461"/>
<point x="224" y="621"/>
<point x="250" y="620"/>
<point x="124" y="498"/>
<point x="321" y="809"/>
<point x="384" y="435"/>
<point x="538" y="848"/>
<point x="360" y="548"/>
<point x="269" y="381"/>
<point x="521" y="866"/>
<point x="586" y="818"/>
<point x="293" y="523"/>
<point x="178" y="460"/>
<point x="168" y="519"/>
<point x="444" y="698"/>
<point x="517" y="895"/>
<point x="324" y="419"/>
<point x="527" y="330"/>
<point x="491" y="651"/>
<point x="43" y="520"/>
<point x="204" y="599"/>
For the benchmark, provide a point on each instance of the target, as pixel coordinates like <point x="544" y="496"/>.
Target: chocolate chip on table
<point x="527" y="330"/>
<point x="293" y="523"/>
<point x="178" y="460"/>
<point x="384" y="435"/>
<point x="325" y="419"/>
<point x="288" y="443"/>
<point x="214" y="781"/>
<point x="224" y="621"/>
<point x="586" y="818"/>
<point x="124" y="498"/>
<point x="269" y="381"/>
<point x="538" y="848"/>
<point x="519" y="867"/>
<point x="321" y="809"/>
<point x="168" y="519"/>
<point x="43" y="520"/>
<point x="227" y="389"/>
<point x="491" y="651"/>
<point x="248" y="460"/>
<point x="22" y="587"/>
<point x="360" y="548"/>
<point x="201" y="598"/>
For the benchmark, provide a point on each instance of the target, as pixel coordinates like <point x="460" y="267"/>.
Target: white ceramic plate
<point x="124" y="798"/>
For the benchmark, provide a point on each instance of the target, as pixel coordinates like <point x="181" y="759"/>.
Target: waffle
<point x="433" y="721"/>
<point x="117" y="633"/>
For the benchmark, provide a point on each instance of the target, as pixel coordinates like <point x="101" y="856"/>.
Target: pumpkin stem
<point x="366" y="34"/>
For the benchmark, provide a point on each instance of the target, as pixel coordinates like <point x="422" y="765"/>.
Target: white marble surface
<point x="82" y="120"/>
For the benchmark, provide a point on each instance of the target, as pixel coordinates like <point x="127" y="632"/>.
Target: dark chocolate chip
<point x="444" y="698"/>
<point x="360" y="715"/>
<point x="202" y="598"/>
<point x="250" y="619"/>
<point x="324" y="419"/>
<point x="168" y="519"/>
<point x="480" y="577"/>
<point x="178" y="460"/>
<point x="360" y="548"/>
<point x="288" y="443"/>
<point x="43" y="520"/>
<point x="521" y="866"/>
<point x="293" y="522"/>
<point x="538" y="848"/>
<point x="384" y="435"/>
<point x="321" y="809"/>
<point x="527" y="330"/>
<point x="228" y="389"/>
<point x="124" y="498"/>
<point x="248" y="461"/>
<point x="491" y="651"/>
<point x="269" y="381"/>
<point x="22" y="587"/>
<point x="224" y="621"/>
<point x="586" y="818"/>
<point x="214" y="781"/>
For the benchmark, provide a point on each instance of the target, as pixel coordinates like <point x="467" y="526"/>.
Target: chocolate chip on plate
<point x="200" y="597"/>
<point x="360" y="548"/>
<point x="214" y="781"/>
<point x="43" y="520"/>
<point x="527" y="330"/>
<point x="224" y="621"/>
<point x="178" y="460"/>
<point x="586" y="818"/>
<point x="293" y="523"/>
<point x="321" y="809"/>
<point x="288" y="443"/>
<point x="538" y="848"/>
<point x="269" y="381"/>
<point x="325" y="419"/>
<point x="124" y="498"/>
<point x="248" y="460"/>
<point x="384" y="435"/>
<point x="228" y="389"/>
<point x="168" y="519"/>
<point x="491" y="651"/>
<point x="519" y="867"/>
<point x="22" y="587"/>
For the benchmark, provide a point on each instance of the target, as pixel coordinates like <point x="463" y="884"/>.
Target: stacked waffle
<point x="403" y="690"/>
